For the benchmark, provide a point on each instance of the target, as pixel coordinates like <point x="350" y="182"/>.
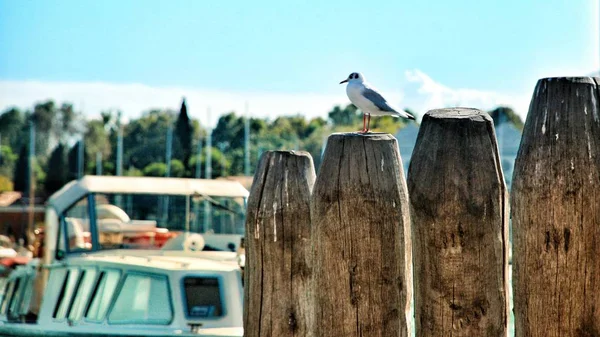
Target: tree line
<point x="60" y="130"/>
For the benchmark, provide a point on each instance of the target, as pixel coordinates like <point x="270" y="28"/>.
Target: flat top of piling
<point x="290" y="152"/>
<point x="574" y="79"/>
<point x="370" y="135"/>
<point x="459" y="113"/>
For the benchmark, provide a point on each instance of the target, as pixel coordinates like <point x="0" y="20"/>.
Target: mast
<point x="247" y="142"/>
<point x="198" y="176"/>
<point x="208" y="162"/>
<point x="31" y="180"/>
<point x="120" y="151"/>
<point x="165" y="210"/>
<point x="80" y="159"/>
<point x="119" y="169"/>
<point x="98" y="163"/>
<point x="208" y="171"/>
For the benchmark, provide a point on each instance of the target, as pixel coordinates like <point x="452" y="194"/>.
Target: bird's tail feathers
<point x="404" y="114"/>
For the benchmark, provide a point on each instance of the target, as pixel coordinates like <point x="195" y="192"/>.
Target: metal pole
<point x="80" y="159"/>
<point x="168" y="151"/>
<point x="198" y="159"/>
<point x="221" y="146"/>
<point x="98" y="163"/>
<point x="120" y="152"/>
<point x="187" y="213"/>
<point x="208" y="162"/>
<point x="119" y="170"/>
<point x="247" y="143"/>
<point x="165" y="212"/>
<point x="30" y="220"/>
<point x="207" y="171"/>
<point x="198" y="176"/>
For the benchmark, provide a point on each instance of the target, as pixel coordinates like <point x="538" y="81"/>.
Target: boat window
<point x="143" y="221"/>
<point x="203" y="297"/>
<point x="143" y="299"/>
<point x="67" y="291"/>
<point x="10" y="287"/>
<point x="82" y="295"/>
<point x="17" y="298"/>
<point x="76" y="222"/>
<point x="102" y="295"/>
<point x="4" y="287"/>
<point x="28" y="289"/>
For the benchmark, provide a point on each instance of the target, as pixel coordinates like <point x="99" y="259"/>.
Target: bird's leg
<point x="368" y="123"/>
<point x="364" y="129"/>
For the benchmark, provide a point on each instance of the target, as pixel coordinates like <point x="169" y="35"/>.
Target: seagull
<point x="369" y="101"/>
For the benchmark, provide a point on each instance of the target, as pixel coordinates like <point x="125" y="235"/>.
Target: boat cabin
<point x="123" y="255"/>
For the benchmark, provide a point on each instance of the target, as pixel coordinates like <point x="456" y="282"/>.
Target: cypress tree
<point x="184" y="132"/>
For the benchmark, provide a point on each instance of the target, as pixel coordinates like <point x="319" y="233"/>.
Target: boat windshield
<point x="144" y="221"/>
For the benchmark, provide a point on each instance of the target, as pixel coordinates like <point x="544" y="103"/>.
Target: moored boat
<point x="121" y="258"/>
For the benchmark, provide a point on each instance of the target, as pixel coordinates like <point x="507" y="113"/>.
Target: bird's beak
<point x="344" y="81"/>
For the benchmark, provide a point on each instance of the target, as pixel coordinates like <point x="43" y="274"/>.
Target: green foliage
<point x="7" y="160"/>
<point x="351" y="119"/>
<point x="387" y="124"/>
<point x="21" y="171"/>
<point x="73" y="160"/>
<point x="177" y="168"/>
<point x="347" y="116"/>
<point x="160" y="169"/>
<point x="230" y="130"/>
<point x="145" y="139"/>
<point x="220" y="164"/>
<point x="108" y="168"/>
<point x="133" y="172"/>
<point x="5" y="184"/>
<point x="13" y="126"/>
<point x="504" y="114"/>
<point x="39" y="174"/>
<point x="96" y="139"/>
<point x="44" y="117"/>
<point x="57" y="170"/>
<point x="155" y="170"/>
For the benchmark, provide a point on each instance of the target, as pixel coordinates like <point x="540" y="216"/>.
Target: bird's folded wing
<point x="377" y="99"/>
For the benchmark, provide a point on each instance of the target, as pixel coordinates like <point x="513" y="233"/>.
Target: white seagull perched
<point x="369" y="101"/>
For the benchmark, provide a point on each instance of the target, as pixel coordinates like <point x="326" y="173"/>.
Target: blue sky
<point x="292" y="52"/>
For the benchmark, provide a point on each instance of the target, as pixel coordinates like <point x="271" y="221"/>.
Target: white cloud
<point x="421" y="93"/>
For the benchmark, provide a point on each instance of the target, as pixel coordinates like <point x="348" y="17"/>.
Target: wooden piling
<point x="278" y="271"/>
<point x="556" y="212"/>
<point x="362" y="273"/>
<point x="458" y="204"/>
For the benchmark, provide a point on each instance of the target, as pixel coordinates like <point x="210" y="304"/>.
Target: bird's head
<point x="354" y="77"/>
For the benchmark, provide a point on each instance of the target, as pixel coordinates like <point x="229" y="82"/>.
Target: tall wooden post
<point x="556" y="212"/>
<point x="278" y="267"/>
<point x="362" y="253"/>
<point x="458" y="205"/>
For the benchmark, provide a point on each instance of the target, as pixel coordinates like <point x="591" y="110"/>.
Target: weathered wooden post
<point x="362" y="273"/>
<point x="458" y="204"/>
<point x="278" y="271"/>
<point x="556" y="212"/>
